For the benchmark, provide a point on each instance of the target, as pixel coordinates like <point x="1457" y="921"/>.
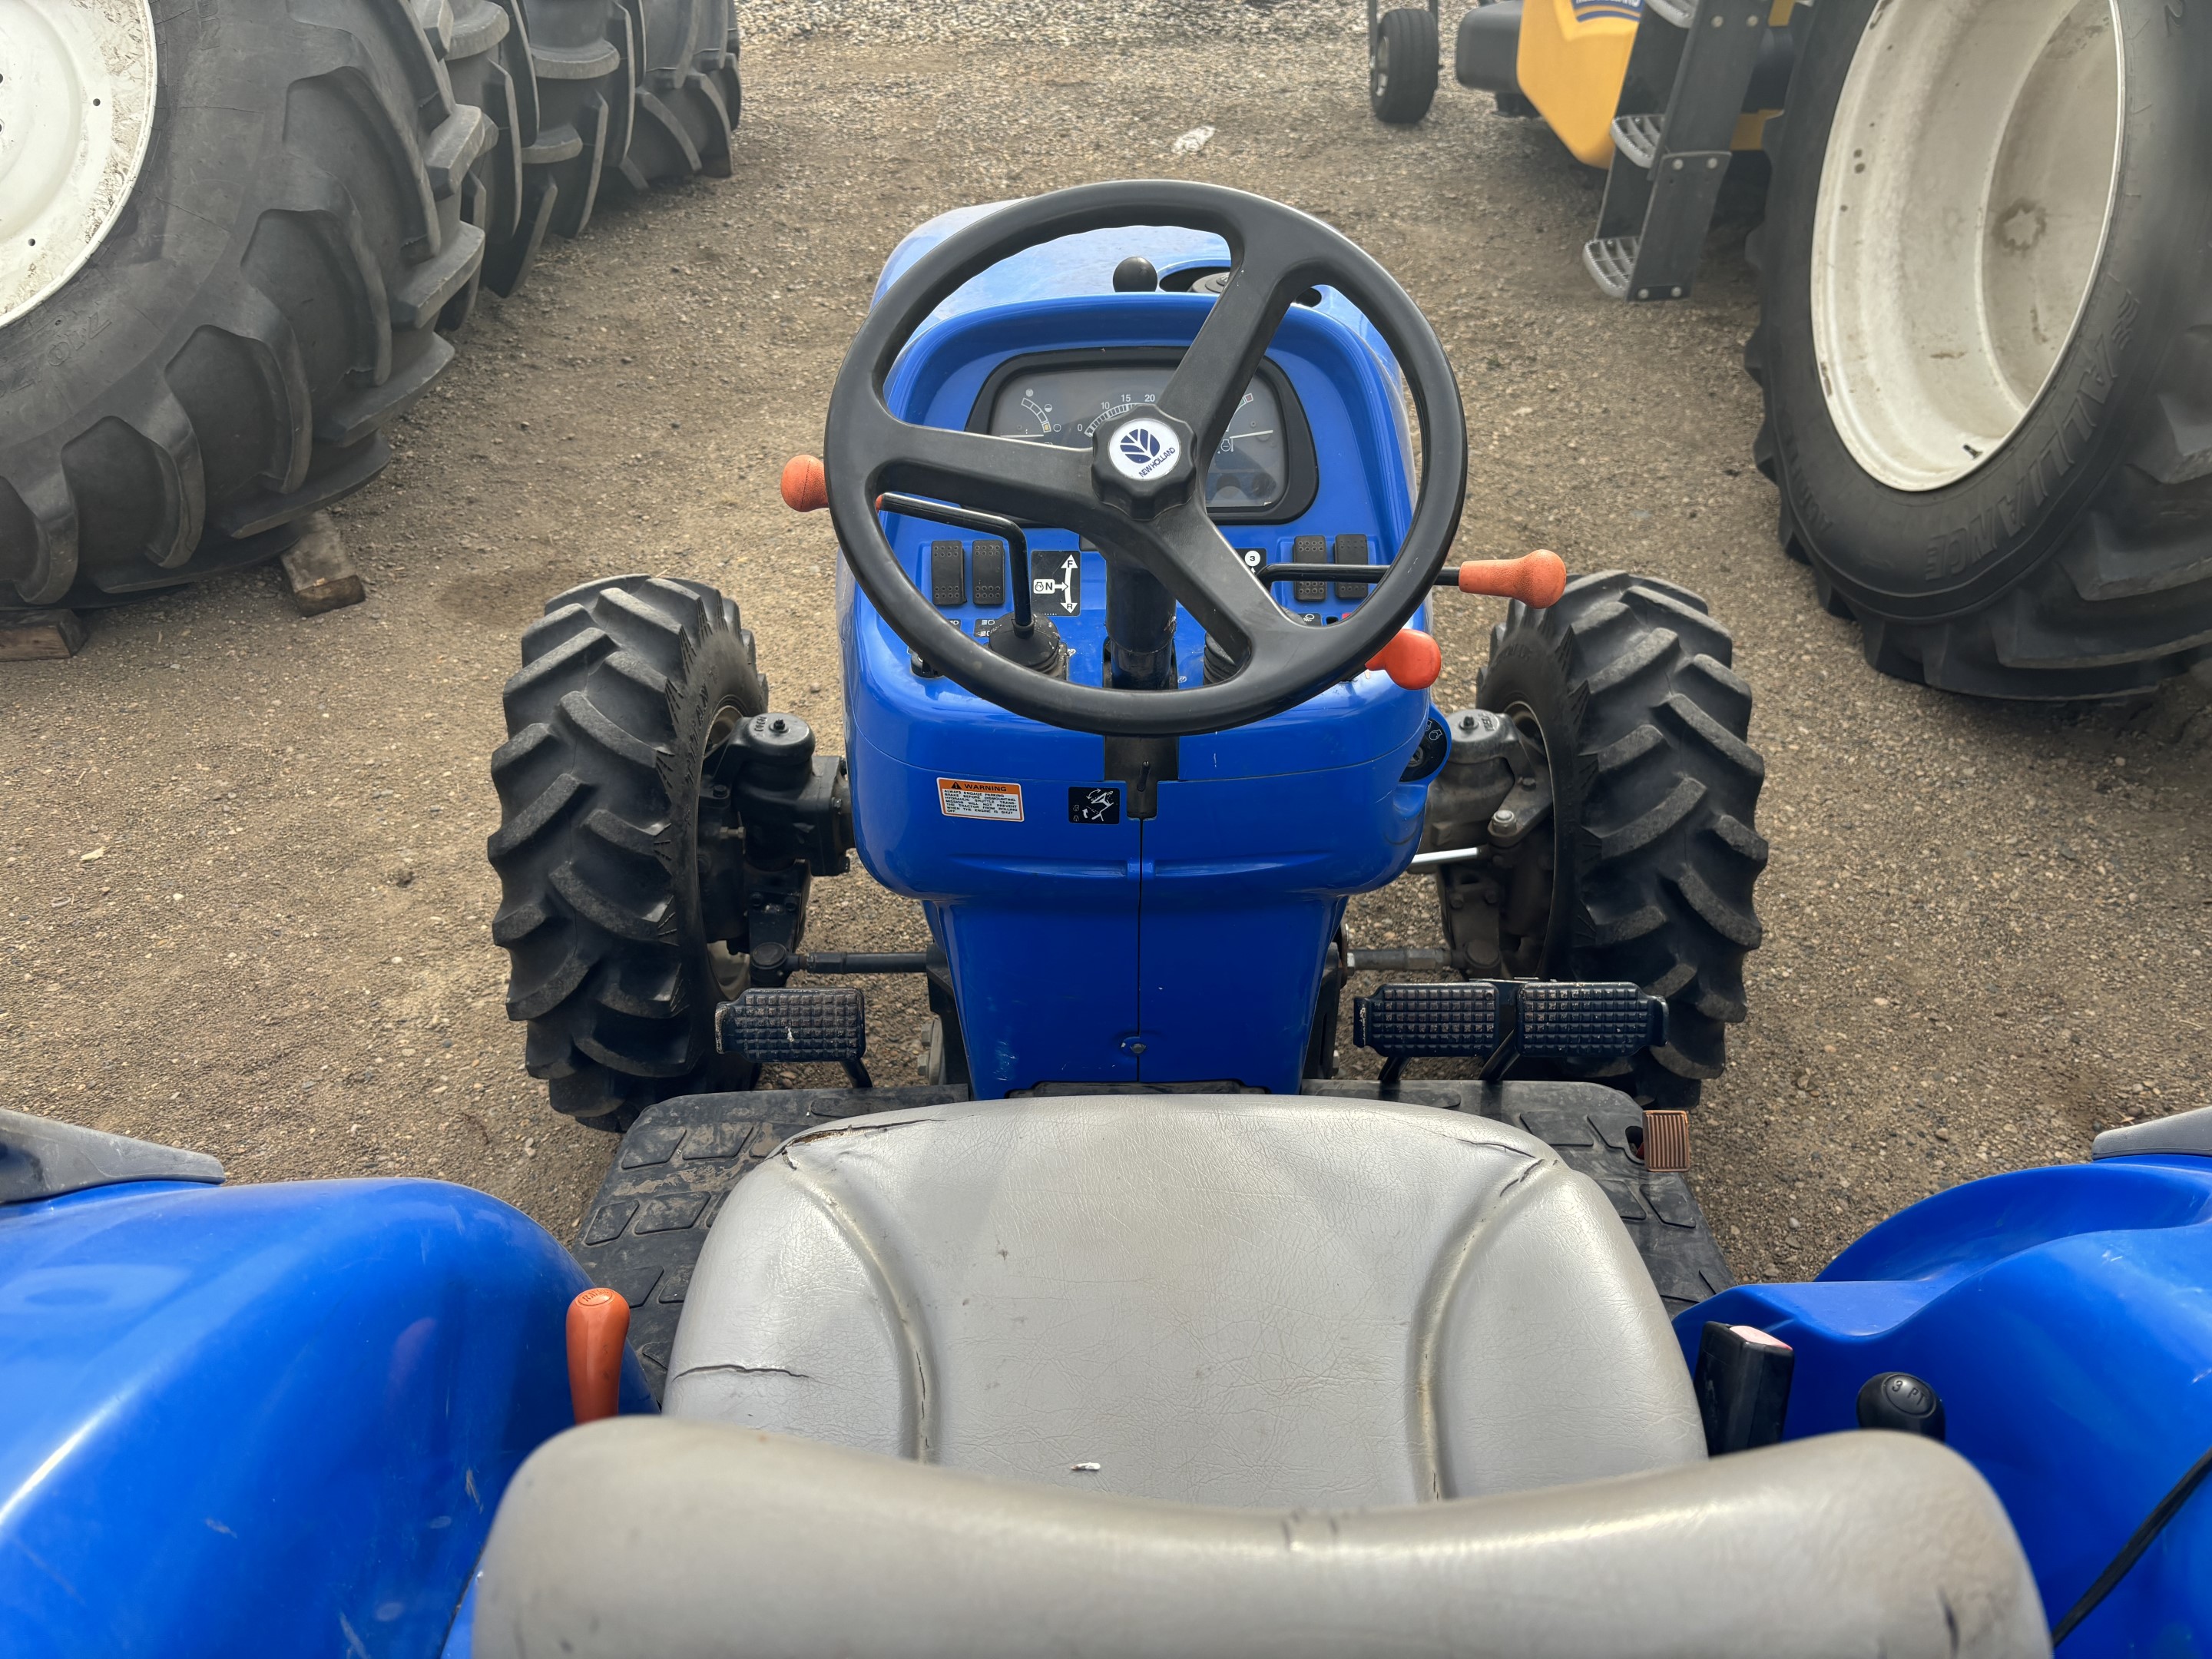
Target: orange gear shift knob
<point x="598" y="1324"/>
<point x="805" y="486"/>
<point x="1412" y="659"/>
<point x="1538" y="578"/>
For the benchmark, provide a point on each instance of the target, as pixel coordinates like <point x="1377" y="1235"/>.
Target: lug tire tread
<point x="1649" y="728"/>
<point x="598" y="785"/>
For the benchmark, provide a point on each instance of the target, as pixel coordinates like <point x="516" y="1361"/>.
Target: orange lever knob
<point x="598" y="1324"/>
<point x="805" y="486"/>
<point x="1412" y="659"/>
<point x="1537" y="578"/>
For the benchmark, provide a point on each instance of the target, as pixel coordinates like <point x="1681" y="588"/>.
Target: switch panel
<point x="1309" y="549"/>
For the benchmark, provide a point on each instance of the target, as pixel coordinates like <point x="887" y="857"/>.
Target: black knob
<point x="1900" y="1400"/>
<point x="1135" y="275"/>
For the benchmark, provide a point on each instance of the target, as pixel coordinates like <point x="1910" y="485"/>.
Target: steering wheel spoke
<point x="1210" y="381"/>
<point x="1189" y="555"/>
<point x="1043" y="483"/>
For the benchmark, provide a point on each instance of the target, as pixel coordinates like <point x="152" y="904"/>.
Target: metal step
<point x="1638" y="137"/>
<point x="1693" y="62"/>
<point x="1612" y="261"/>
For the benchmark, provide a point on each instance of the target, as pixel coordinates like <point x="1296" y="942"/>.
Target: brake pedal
<point x="1589" y="1022"/>
<point x="784" y="1026"/>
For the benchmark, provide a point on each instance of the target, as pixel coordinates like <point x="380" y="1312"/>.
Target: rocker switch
<point x="1309" y="549"/>
<point x="948" y="574"/>
<point x="990" y="573"/>
<point x="1350" y="549"/>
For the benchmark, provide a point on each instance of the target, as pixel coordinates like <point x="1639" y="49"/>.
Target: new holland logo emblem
<point x="1144" y="448"/>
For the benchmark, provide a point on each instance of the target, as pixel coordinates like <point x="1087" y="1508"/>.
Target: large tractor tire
<point x="486" y="47"/>
<point x="261" y="302"/>
<point x="1633" y="726"/>
<point x="1985" y="337"/>
<point x="688" y="95"/>
<point x="584" y="54"/>
<point x="615" y="912"/>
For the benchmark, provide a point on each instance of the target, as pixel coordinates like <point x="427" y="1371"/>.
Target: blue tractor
<point x="1133" y="1325"/>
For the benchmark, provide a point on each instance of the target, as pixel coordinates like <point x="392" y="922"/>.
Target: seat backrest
<point x="1218" y="1299"/>
<point x="694" y="1541"/>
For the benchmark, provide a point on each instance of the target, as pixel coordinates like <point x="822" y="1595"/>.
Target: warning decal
<point x="962" y="797"/>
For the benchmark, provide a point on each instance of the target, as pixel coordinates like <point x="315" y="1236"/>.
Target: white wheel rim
<point x="1964" y="207"/>
<point x="76" y="107"/>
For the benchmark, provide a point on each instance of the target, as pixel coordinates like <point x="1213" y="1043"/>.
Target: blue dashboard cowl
<point x="1266" y="829"/>
<point x="267" y="1419"/>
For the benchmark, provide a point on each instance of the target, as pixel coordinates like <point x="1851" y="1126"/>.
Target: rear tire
<point x="2014" y="500"/>
<point x="1401" y="66"/>
<point x="626" y="685"/>
<point x="688" y="98"/>
<point x="225" y="361"/>
<point x="1655" y="795"/>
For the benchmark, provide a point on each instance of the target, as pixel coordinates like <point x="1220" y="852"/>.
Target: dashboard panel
<point x="1262" y="472"/>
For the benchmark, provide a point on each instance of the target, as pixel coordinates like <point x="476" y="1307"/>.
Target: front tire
<point x="1401" y="66"/>
<point x="1994" y="446"/>
<point x="1623" y="691"/>
<point x="629" y="688"/>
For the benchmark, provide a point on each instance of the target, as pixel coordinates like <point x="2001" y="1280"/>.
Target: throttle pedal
<point x="784" y="1026"/>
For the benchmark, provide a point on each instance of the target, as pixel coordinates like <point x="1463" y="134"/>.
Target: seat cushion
<point x="1243" y="1300"/>
<point x="692" y="1541"/>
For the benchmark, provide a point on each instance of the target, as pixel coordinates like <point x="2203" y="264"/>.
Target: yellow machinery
<point x="1659" y="92"/>
<point x="1986" y="292"/>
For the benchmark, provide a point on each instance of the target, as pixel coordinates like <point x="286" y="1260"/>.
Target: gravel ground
<point x="245" y="902"/>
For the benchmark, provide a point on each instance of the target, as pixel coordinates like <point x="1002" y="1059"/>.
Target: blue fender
<point x="269" y="1420"/>
<point x="2064" y="1315"/>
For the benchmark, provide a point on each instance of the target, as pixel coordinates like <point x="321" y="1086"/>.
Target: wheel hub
<point x="1963" y="210"/>
<point x="76" y="108"/>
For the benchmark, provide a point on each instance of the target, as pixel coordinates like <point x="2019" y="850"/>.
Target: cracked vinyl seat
<point x="1250" y="1300"/>
<point x="1219" y="1377"/>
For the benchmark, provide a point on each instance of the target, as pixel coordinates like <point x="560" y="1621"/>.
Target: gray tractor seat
<point x="645" y="1538"/>
<point x="1392" y="1334"/>
<point x="1247" y="1300"/>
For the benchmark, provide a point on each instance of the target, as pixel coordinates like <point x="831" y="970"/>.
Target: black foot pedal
<point x="1589" y="1022"/>
<point x="1403" y="1022"/>
<point x="784" y="1026"/>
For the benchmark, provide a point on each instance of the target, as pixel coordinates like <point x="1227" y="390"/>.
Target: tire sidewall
<point x="1942" y="553"/>
<point x="60" y="360"/>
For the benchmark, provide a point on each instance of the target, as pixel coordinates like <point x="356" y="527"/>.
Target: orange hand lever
<point x="1412" y="659"/>
<point x="805" y="487"/>
<point x="1537" y="578"/>
<point x="598" y="1324"/>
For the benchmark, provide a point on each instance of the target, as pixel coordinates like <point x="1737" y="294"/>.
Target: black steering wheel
<point x="1139" y="493"/>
